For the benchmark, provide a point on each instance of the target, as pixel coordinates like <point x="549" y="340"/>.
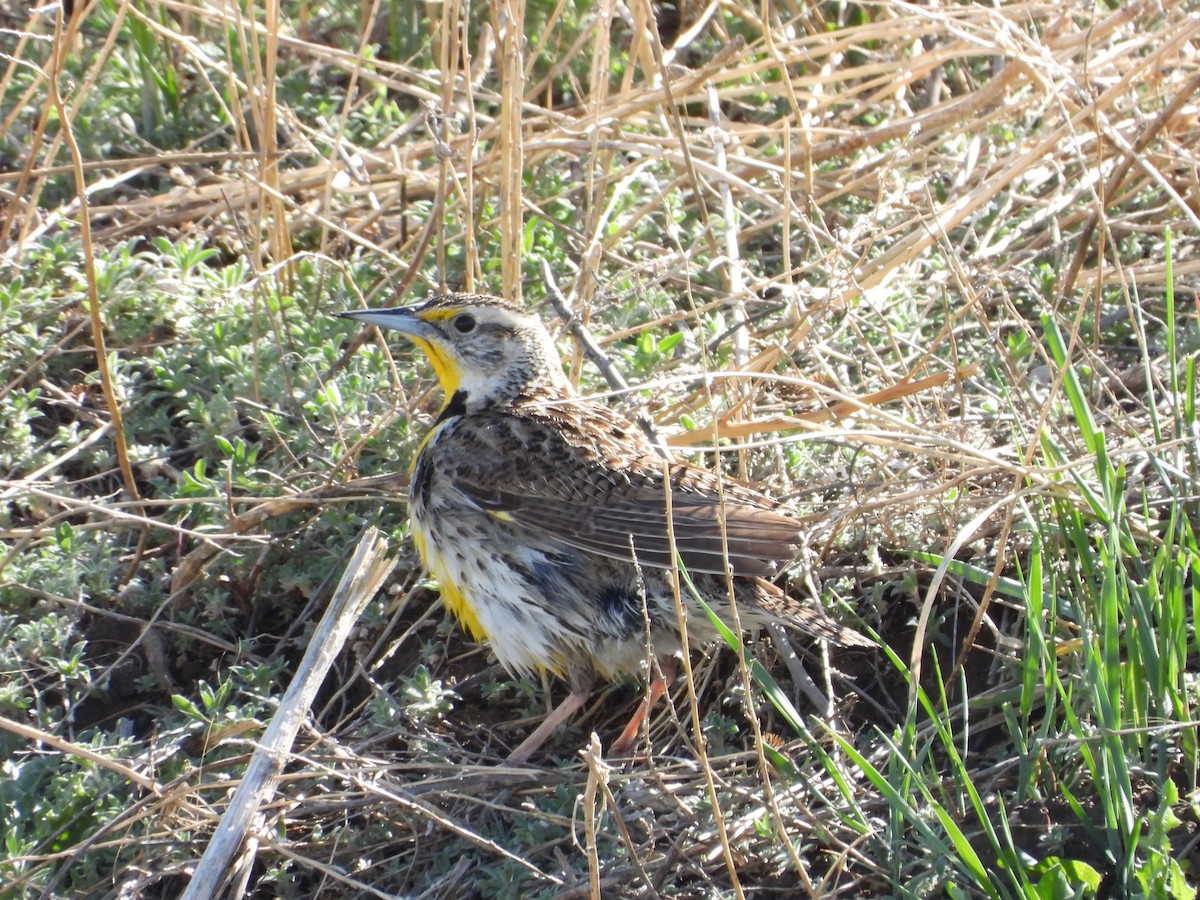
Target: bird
<point x="543" y="516"/>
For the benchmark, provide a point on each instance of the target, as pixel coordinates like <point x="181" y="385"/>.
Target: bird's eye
<point x="465" y="323"/>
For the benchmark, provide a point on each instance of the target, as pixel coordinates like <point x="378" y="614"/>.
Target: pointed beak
<point x="428" y="337"/>
<point x="402" y="319"/>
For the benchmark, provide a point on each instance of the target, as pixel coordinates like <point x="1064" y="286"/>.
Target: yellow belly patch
<point x="451" y="595"/>
<point x="463" y="611"/>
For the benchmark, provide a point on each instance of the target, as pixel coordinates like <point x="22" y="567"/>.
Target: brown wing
<point x="755" y="542"/>
<point x="593" y="482"/>
<point x="806" y="618"/>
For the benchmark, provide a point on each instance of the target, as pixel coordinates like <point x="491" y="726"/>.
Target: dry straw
<point x="891" y="169"/>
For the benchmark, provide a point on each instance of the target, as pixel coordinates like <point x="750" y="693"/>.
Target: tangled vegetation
<point x="928" y="272"/>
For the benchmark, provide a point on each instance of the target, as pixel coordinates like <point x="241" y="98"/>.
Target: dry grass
<point x="875" y="211"/>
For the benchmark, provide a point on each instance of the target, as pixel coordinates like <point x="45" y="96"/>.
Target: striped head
<point x="486" y="352"/>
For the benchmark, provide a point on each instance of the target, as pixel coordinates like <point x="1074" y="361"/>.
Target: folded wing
<point x="633" y="525"/>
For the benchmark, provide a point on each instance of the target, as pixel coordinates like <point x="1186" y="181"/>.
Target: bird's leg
<point x="581" y="689"/>
<point x="659" y="685"/>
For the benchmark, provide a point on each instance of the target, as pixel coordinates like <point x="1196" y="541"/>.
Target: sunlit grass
<point x="900" y="193"/>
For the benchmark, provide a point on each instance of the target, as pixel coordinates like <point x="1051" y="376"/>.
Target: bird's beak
<point x="403" y="319"/>
<point x="426" y="335"/>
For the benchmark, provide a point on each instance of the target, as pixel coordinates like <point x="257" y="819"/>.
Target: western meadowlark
<point x="544" y="515"/>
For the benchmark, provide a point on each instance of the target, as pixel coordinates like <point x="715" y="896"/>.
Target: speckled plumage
<point x="544" y="516"/>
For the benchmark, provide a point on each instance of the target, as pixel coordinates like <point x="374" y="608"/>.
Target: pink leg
<point x="574" y="701"/>
<point x="658" y="687"/>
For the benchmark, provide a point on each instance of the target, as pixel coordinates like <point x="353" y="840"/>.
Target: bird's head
<point x="485" y="351"/>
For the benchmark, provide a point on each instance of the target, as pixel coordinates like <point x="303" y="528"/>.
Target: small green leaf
<point x="64" y="536"/>
<point x="670" y="342"/>
<point x="187" y="707"/>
